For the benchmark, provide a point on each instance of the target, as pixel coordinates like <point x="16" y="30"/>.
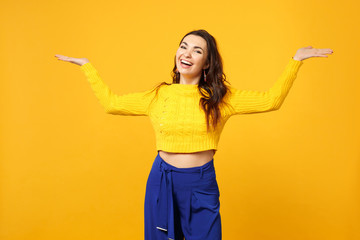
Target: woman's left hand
<point x="308" y="52"/>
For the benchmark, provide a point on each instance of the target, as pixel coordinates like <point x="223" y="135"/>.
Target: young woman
<point x="188" y="115"/>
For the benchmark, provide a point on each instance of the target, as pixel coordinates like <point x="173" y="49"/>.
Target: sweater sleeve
<point x="131" y="104"/>
<point x="253" y="101"/>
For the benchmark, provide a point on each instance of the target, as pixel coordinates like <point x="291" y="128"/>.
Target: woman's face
<point x="193" y="50"/>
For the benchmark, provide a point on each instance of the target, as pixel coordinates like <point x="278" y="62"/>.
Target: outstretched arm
<point x="131" y="104"/>
<point x="252" y="101"/>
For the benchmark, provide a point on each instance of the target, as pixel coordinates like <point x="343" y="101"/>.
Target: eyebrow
<point x="194" y="47"/>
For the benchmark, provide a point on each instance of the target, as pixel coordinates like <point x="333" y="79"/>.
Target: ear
<point x="206" y="66"/>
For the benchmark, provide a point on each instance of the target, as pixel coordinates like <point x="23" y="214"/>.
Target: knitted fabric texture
<point x="176" y="116"/>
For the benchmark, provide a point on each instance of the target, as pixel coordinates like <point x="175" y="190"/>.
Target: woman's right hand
<point x="78" y="61"/>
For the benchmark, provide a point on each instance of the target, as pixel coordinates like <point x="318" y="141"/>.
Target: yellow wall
<point x="70" y="171"/>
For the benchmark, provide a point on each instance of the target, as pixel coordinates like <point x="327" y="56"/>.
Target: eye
<point x="182" y="47"/>
<point x="198" y="52"/>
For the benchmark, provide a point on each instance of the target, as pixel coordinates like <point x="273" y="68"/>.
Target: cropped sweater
<point x="177" y="118"/>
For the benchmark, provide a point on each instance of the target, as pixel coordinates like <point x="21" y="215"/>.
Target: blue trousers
<point x="182" y="202"/>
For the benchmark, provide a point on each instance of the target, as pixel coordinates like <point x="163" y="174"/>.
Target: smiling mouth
<point x="185" y="64"/>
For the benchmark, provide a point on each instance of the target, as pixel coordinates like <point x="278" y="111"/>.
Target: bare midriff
<point x="187" y="160"/>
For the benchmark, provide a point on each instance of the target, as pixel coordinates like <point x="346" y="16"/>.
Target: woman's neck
<point x="189" y="80"/>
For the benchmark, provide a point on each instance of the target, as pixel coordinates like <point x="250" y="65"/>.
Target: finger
<point x="327" y="50"/>
<point x="323" y="51"/>
<point x="60" y="57"/>
<point x="63" y="58"/>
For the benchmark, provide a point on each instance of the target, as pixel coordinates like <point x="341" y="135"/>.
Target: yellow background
<point x="70" y="171"/>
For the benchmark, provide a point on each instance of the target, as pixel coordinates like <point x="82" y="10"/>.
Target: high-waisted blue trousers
<point x="182" y="202"/>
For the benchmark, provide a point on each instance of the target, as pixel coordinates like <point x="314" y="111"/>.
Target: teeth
<point x="186" y="62"/>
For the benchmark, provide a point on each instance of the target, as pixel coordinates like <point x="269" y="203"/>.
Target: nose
<point x="187" y="53"/>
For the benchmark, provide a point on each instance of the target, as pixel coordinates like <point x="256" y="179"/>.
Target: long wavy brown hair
<point x="213" y="89"/>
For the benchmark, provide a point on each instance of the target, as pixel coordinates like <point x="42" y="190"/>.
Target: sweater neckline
<point x="185" y="87"/>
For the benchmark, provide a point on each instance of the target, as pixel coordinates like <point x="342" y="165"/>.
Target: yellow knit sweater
<point x="176" y="116"/>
